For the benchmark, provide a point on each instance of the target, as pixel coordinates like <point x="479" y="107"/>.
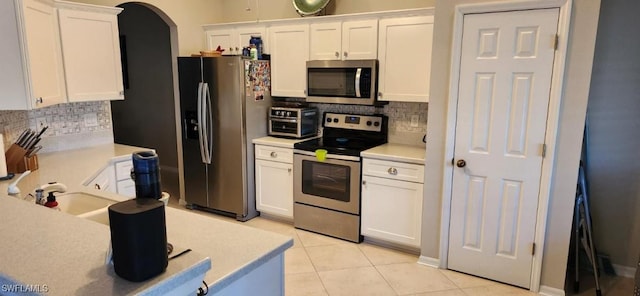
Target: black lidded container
<point x="138" y="238"/>
<point x="146" y="174"/>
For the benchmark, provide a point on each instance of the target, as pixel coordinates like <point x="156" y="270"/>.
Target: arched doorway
<point x="146" y="118"/>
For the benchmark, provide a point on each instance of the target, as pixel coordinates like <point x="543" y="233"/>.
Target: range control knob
<point x="369" y="123"/>
<point x="328" y="119"/>
<point x="377" y="123"/>
<point x="335" y="120"/>
<point x="288" y="113"/>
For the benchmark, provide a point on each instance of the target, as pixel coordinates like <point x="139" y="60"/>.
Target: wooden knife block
<point x="17" y="162"/>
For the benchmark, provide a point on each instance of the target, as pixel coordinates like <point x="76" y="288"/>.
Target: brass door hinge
<point x="556" y="40"/>
<point x="544" y="150"/>
<point x="533" y="249"/>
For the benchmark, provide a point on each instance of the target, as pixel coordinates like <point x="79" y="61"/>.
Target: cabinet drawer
<point x="393" y="170"/>
<point x="123" y="170"/>
<point x="274" y="153"/>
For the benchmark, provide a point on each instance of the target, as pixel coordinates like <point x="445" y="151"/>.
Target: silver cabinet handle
<point x="337" y="54"/>
<point x="289" y="170"/>
<point x="97" y="186"/>
<point x="392" y="171"/>
<point x="364" y="182"/>
<point x="346" y="54"/>
<point x="274" y="154"/>
<point x="39" y="100"/>
<point x="122" y="92"/>
<point x="379" y="94"/>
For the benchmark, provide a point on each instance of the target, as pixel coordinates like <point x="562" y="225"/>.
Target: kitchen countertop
<point x="278" y="142"/>
<point x="42" y="246"/>
<point x="396" y="152"/>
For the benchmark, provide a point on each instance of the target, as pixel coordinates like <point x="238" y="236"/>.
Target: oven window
<point x="326" y="180"/>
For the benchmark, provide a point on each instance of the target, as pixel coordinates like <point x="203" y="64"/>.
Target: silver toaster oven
<point x="291" y="122"/>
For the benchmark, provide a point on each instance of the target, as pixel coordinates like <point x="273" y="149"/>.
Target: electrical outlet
<point x="90" y="119"/>
<point x="41" y="122"/>
<point x="414" y="120"/>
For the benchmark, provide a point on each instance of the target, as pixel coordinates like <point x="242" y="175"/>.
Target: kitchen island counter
<point x="41" y="246"/>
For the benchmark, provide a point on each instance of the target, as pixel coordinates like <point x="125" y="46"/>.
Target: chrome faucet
<point x="49" y="187"/>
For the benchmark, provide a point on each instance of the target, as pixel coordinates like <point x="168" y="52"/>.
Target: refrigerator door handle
<point x="208" y="133"/>
<point x="200" y="118"/>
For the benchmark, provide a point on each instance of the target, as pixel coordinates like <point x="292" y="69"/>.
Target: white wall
<point x="577" y="77"/>
<point x="188" y="16"/>
<point x="235" y="10"/>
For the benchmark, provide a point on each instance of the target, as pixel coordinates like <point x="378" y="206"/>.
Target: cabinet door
<point x="44" y="54"/>
<point x="360" y="40"/>
<point x="404" y="55"/>
<point x="289" y="54"/>
<point x="225" y="38"/>
<point x="325" y="41"/>
<point x="91" y="49"/>
<point x="392" y="210"/>
<point x="104" y="180"/>
<point x="126" y="188"/>
<point x="274" y="188"/>
<point x="243" y="35"/>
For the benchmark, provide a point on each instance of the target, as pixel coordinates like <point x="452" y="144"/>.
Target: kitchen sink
<point x="78" y="203"/>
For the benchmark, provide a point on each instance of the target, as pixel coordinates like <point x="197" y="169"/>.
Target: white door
<point x="223" y="38"/>
<point x="244" y="35"/>
<point x="289" y="55"/>
<point x="392" y="210"/>
<point x="505" y="79"/>
<point x="274" y="188"/>
<point x="325" y="41"/>
<point x="404" y="56"/>
<point x="360" y="40"/>
<point x="91" y="50"/>
<point x="44" y="52"/>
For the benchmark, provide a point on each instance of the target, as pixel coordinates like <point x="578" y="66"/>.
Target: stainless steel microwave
<point x="342" y="82"/>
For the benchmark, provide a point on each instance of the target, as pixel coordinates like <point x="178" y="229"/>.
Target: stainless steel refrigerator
<point x="224" y="104"/>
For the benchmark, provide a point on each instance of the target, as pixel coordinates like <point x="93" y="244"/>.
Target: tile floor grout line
<point x="315" y="269"/>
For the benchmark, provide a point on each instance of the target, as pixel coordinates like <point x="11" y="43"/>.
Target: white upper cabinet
<point x="404" y="54"/>
<point x="91" y="52"/>
<point x="349" y="40"/>
<point x="289" y="53"/>
<point x="32" y="74"/>
<point x="223" y="38"/>
<point x="233" y="39"/>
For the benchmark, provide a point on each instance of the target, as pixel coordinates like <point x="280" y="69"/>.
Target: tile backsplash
<point x="400" y="129"/>
<point x="73" y="125"/>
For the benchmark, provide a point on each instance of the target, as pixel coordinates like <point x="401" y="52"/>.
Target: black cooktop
<point x="348" y="134"/>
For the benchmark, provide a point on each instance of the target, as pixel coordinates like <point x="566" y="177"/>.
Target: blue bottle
<point x="257" y="41"/>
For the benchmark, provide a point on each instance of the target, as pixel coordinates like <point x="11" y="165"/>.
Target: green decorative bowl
<point x="309" y="7"/>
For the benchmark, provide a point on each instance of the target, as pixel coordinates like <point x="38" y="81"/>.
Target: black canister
<point x="146" y="174"/>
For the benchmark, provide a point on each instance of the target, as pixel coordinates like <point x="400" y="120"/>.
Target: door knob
<point x="461" y="163"/>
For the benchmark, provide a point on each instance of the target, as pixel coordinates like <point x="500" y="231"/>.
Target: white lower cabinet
<point x="116" y="178"/>
<point x="391" y="208"/>
<point x="274" y="183"/>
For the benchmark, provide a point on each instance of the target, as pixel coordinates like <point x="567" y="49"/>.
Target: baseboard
<point x="428" y="261"/>
<point x="624" y="271"/>
<point x="549" y="291"/>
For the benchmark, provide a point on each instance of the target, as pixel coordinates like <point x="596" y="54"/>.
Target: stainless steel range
<point x="327" y="192"/>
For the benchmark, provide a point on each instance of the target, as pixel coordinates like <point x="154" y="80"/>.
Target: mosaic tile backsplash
<point x="71" y="125"/>
<point x="399" y="113"/>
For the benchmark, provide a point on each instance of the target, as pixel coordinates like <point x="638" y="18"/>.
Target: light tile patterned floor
<point x="321" y="265"/>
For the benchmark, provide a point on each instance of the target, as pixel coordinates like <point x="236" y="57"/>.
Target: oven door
<point x="332" y="184"/>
